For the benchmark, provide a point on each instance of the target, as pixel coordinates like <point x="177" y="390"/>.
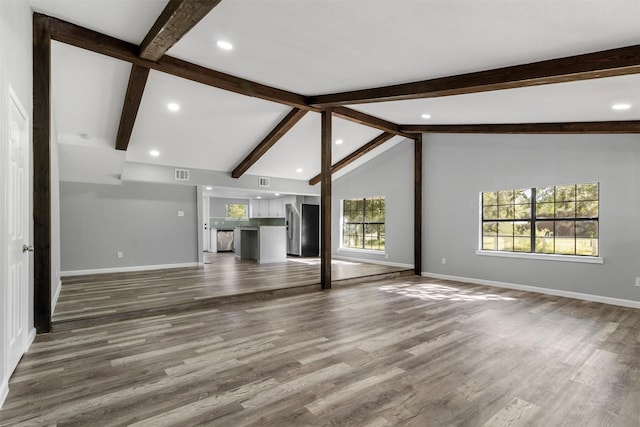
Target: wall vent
<point x="263" y="182"/>
<point x="182" y="175"/>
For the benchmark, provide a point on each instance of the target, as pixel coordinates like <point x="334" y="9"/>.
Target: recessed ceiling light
<point x="209" y="188"/>
<point x="621" y="106"/>
<point x="259" y="197"/>
<point x="224" y="45"/>
<point x="172" y="106"/>
<point x="339" y="141"/>
<point x="299" y="170"/>
<point x="154" y="153"/>
<point x="426" y="116"/>
<point x="277" y="194"/>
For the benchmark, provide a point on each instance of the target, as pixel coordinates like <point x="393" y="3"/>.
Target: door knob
<point x="26" y="248"/>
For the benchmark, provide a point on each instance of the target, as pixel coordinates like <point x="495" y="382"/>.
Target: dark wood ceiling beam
<point x="84" y="38"/>
<point x="177" y="18"/>
<point x="629" y="126"/>
<point x="607" y="63"/>
<point x="132" y="99"/>
<point x="269" y="141"/>
<point x="368" y="120"/>
<point x="374" y="143"/>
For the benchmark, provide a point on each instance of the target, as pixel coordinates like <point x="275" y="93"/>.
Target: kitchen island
<point x="265" y="243"/>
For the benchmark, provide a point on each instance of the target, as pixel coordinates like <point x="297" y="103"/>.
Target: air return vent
<point x="263" y="182"/>
<point x="182" y="175"/>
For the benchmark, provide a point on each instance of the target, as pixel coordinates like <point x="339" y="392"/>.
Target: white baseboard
<point x="126" y="269"/>
<point x="4" y="390"/>
<point x="54" y="300"/>
<point x="372" y="261"/>
<point x="548" y="291"/>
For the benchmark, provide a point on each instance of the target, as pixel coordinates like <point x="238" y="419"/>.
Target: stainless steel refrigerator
<point x="303" y="229"/>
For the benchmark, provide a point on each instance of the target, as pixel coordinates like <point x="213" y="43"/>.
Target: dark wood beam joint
<point x="269" y="141"/>
<point x="177" y="18"/>
<point x="368" y="120"/>
<point x="84" y="38"/>
<point x="374" y="143"/>
<point x="132" y="99"/>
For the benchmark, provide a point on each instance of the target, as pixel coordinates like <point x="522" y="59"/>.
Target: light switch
<point x="180" y="213"/>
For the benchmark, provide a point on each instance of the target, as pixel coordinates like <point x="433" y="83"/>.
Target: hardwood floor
<point x="94" y="299"/>
<point x="407" y="351"/>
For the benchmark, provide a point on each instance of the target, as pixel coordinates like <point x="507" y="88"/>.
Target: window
<point x="560" y="219"/>
<point x="236" y="211"/>
<point x="363" y="223"/>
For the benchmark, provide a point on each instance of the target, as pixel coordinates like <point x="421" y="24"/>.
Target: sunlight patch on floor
<point x="436" y="292"/>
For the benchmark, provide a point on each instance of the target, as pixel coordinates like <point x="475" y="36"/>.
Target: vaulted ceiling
<point x="312" y="49"/>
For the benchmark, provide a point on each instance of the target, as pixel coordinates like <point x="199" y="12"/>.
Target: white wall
<point x="390" y="175"/>
<point x="458" y="167"/>
<point x="15" y="72"/>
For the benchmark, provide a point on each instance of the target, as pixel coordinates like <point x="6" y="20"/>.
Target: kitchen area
<point x="266" y="228"/>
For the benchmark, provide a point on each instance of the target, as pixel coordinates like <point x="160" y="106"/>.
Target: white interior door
<point x="17" y="227"/>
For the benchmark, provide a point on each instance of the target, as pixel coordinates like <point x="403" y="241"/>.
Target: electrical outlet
<point x="444" y="261"/>
<point x="119" y="254"/>
<point x="638" y="282"/>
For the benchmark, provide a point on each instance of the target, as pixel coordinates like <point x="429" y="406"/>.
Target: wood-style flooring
<point x="407" y="351"/>
<point x="93" y="299"/>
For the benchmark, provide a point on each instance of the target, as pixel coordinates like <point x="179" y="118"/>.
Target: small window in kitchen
<point x="236" y="211"/>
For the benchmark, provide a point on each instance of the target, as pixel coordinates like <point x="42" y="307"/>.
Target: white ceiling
<point x="315" y="47"/>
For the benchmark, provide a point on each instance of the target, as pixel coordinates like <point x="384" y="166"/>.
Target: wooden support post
<point x="417" y="200"/>
<point x="42" y="173"/>
<point x="325" y="204"/>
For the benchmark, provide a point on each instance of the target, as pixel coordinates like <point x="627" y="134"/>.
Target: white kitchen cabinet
<point x="258" y="208"/>
<point x="273" y="208"/>
<point x="264" y="208"/>
<point x="254" y="209"/>
<point x="276" y="208"/>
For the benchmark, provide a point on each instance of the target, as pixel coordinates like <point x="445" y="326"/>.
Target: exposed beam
<point x="177" y="18"/>
<point x="417" y="205"/>
<point x="41" y="174"/>
<point x="368" y="120"/>
<point x="629" y="126"/>
<point x="84" y="38"/>
<point x="269" y="141"/>
<point x="375" y="142"/>
<point x="325" y="201"/>
<point x="607" y="63"/>
<point x="132" y="99"/>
